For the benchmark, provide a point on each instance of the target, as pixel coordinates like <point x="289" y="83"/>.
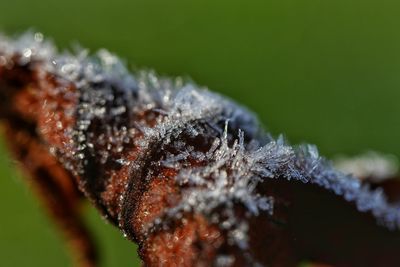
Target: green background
<point x="320" y="71"/>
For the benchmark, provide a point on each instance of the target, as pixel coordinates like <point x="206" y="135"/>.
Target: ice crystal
<point x="31" y="46"/>
<point x="236" y="161"/>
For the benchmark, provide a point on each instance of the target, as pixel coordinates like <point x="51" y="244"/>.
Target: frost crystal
<point x="240" y="155"/>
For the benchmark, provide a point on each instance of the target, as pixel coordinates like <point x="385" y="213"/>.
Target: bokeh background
<point x="319" y="71"/>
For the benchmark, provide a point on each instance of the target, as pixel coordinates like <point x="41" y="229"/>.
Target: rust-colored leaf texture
<point x="187" y="174"/>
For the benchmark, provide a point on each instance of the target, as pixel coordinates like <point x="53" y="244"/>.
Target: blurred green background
<point x="320" y="71"/>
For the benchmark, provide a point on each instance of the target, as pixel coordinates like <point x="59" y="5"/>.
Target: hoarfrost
<point x="234" y="169"/>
